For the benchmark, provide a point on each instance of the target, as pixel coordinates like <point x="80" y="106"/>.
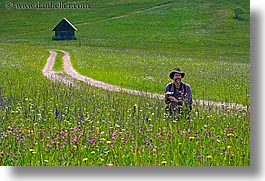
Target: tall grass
<point x="210" y="79"/>
<point x="56" y="125"/>
<point x="138" y="49"/>
<point x="46" y="123"/>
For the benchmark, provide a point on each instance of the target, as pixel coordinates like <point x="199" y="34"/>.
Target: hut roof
<point x="62" y="22"/>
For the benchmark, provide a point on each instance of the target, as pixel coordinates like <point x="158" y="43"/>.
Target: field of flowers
<point x="46" y="123"/>
<point x="59" y="125"/>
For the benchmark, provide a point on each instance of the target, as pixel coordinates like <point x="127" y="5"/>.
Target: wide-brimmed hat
<point x="176" y="70"/>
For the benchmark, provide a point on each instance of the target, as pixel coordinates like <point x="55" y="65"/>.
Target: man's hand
<point x="172" y="99"/>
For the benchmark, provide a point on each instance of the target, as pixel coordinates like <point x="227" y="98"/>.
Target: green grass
<point x="210" y="79"/>
<point x="201" y="37"/>
<point x="47" y="123"/>
<point x="58" y="64"/>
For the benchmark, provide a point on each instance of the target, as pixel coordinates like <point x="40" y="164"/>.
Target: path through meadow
<point x="69" y="75"/>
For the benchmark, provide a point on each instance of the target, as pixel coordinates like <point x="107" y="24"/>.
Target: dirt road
<point x="69" y="75"/>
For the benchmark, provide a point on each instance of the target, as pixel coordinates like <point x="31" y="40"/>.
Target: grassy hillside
<point x="172" y="26"/>
<point x="133" y="44"/>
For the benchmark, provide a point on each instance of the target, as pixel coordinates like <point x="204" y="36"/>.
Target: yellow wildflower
<point x="230" y="134"/>
<point x="108" y="142"/>
<point x="110" y="164"/>
<point x="209" y="156"/>
<point x="164" y="162"/>
<point x="31" y="150"/>
<point x="30" y="130"/>
<point x="85" y="159"/>
<point x="191" y="138"/>
<point x="92" y="152"/>
<point x="83" y="147"/>
<point x="229" y="147"/>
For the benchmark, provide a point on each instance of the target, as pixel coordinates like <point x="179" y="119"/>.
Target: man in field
<point x="178" y="95"/>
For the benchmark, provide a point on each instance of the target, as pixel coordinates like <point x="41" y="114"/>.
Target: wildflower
<point x="229" y="147"/>
<point x="164" y="162"/>
<point x="191" y="138"/>
<point x="110" y="164"/>
<point x="108" y="142"/>
<point x="30" y="131"/>
<point x="209" y="156"/>
<point x="31" y="150"/>
<point x="200" y="156"/>
<point x="180" y="143"/>
<point x="84" y="159"/>
<point x="230" y="134"/>
<point x="45" y="161"/>
<point x="197" y="152"/>
<point x="57" y="113"/>
<point x="92" y="152"/>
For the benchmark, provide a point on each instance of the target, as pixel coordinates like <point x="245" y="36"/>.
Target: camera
<point x="168" y="93"/>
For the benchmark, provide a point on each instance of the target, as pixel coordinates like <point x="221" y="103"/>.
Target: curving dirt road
<point x="69" y="75"/>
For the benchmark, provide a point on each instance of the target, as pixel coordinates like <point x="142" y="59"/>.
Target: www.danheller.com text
<point x="47" y="5"/>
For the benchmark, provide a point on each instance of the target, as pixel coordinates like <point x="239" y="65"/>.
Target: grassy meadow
<point x="132" y="44"/>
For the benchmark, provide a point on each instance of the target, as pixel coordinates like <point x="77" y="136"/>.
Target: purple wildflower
<point x="57" y="113"/>
<point x="200" y="157"/>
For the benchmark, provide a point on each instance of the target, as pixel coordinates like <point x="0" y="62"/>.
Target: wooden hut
<point x="64" y="30"/>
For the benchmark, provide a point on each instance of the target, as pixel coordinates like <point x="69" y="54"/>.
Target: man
<point x="178" y="95"/>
